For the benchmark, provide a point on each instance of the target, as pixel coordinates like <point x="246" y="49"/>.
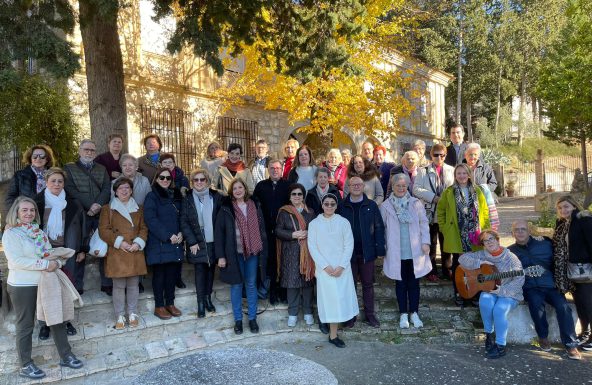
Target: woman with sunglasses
<point x="29" y="181"/>
<point x="164" y="248"/>
<point x="330" y="241"/>
<point x="241" y="248"/>
<point x="496" y="304"/>
<point x="198" y="215"/>
<point x="430" y="183"/>
<point x="295" y="265"/>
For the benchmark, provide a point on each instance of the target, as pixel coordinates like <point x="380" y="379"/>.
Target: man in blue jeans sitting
<point x="540" y="290"/>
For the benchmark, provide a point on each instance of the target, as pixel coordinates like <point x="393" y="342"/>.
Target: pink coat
<point x="419" y="232"/>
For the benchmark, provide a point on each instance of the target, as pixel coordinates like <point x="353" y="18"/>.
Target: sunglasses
<point x="329" y="204"/>
<point x="38" y="156"/>
<point x="296" y="194"/>
<point x="199" y="179"/>
<point x="440" y="155"/>
<point x="162" y="177"/>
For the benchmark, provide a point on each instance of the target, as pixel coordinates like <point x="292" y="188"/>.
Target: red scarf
<point x="287" y="167"/>
<point x="234" y="167"/>
<point x="250" y="236"/>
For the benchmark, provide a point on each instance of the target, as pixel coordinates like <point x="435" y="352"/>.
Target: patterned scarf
<point x="249" y="232"/>
<point x="40" y="185"/>
<point x="234" y="167"/>
<point x="401" y="206"/>
<point x="37" y="236"/>
<point x="467" y="212"/>
<point x="561" y="257"/>
<point x="307" y="266"/>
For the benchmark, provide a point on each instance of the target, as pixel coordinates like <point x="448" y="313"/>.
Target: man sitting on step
<point x="532" y="251"/>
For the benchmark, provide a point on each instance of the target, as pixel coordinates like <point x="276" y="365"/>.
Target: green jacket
<point x="82" y="187"/>
<point x="448" y="219"/>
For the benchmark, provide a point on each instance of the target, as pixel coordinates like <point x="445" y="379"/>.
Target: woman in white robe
<point x="331" y="243"/>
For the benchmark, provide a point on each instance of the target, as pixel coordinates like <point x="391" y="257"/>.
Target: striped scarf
<point x="307" y="266"/>
<point x="249" y="232"/>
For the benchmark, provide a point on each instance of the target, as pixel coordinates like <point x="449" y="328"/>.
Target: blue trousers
<point x="248" y="269"/>
<point x="537" y="297"/>
<point x="494" y="313"/>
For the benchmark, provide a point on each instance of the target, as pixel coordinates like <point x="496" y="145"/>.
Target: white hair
<point x="473" y="146"/>
<point x="337" y="154"/>
<point x="419" y="142"/>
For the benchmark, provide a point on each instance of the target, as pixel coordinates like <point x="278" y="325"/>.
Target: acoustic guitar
<point x="485" y="278"/>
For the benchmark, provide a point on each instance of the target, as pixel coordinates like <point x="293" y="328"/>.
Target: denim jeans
<point x="537" y="297"/>
<point x="248" y="269"/>
<point x="494" y="313"/>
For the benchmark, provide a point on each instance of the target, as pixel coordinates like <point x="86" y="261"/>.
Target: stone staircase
<point x="106" y="350"/>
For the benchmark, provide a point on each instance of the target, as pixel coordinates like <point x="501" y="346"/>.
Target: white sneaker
<point x="292" y="320"/>
<point x="120" y="323"/>
<point x="416" y="321"/>
<point x="309" y="319"/>
<point x="404" y="321"/>
<point x="134" y="320"/>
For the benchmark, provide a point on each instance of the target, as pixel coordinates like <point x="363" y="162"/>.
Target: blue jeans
<point x="537" y="297"/>
<point x="494" y="313"/>
<point x="248" y="269"/>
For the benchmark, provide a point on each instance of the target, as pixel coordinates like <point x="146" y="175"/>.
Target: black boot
<point x="209" y="305"/>
<point x="489" y="341"/>
<point x="201" y="309"/>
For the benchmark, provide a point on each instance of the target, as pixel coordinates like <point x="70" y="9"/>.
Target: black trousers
<point x="435" y="237"/>
<point x="164" y="277"/>
<point x="204" y="274"/>
<point x="24" y="300"/>
<point x="583" y="301"/>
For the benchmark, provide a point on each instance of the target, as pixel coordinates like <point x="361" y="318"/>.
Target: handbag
<point x="579" y="272"/>
<point x="97" y="247"/>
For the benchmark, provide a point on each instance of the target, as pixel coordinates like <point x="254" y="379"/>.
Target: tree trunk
<point x="104" y="74"/>
<point x="498" y="106"/>
<point x="459" y="67"/>
<point x="469" y="123"/>
<point x="535" y="115"/>
<point x="584" y="157"/>
<point x="521" y="109"/>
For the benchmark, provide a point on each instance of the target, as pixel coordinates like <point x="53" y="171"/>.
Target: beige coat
<point x="119" y="263"/>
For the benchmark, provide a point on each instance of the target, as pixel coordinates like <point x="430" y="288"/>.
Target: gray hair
<point x="395" y="178"/>
<point x="412" y="152"/>
<point x="336" y="152"/>
<point x="473" y="146"/>
<point x="419" y="142"/>
<point x="125" y="157"/>
<point x="85" y="141"/>
<point x="346" y="151"/>
<point x="320" y="170"/>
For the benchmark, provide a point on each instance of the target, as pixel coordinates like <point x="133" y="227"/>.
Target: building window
<point x="241" y="131"/>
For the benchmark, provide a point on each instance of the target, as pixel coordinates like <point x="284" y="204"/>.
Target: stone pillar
<point x="539" y="171"/>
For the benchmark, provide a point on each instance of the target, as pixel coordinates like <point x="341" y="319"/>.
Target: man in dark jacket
<point x="540" y="290"/>
<point x="89" y="183"/>
<point x="260" y="164"/>
<point x="455" y="153"/>
<point x="272" y="193"/>
<point x="369" y="243"/>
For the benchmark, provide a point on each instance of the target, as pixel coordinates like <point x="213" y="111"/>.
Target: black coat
<point x="451" y="158"/>
<point x="313" y="201"/>
<point x="76" y="236"/>
<point x="226" y="247"/>
<point x="23" y="183"/>
<point x="290" y="276"/>
<point x="372" y="226"/>
<point x="191" y="230"/>
<point x="271" y="200"/>
<point x="580" y="237"/>
<point x="162" y="217"/>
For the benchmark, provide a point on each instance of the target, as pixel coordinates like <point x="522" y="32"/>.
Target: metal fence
<point x="243" y="132"/>
<point x="10" y="162"/>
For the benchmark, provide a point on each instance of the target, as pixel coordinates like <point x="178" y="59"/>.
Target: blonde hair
<point x="12" y="215"/>
<point x="54" y="170"/>
<point x="291" y="141"/>
<point x="200" y="171"/>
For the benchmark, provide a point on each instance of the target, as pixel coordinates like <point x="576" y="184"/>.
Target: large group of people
<point x="284" y="229"/>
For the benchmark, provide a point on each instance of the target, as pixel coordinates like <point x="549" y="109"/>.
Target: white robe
<point x="331" y="243"/>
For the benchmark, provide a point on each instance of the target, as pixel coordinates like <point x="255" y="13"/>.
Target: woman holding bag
<point x="407" y="236"/>
<point x="572" y="244"/>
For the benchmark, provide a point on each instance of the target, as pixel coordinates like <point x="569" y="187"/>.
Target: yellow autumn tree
<point x="374" y="97"/>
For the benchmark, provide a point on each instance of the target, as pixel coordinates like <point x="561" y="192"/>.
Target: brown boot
<point x="173" y="310"/>
<point x="162" y="313"/>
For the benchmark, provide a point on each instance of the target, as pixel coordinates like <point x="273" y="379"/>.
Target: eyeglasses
<point x="38" y="156"/>
<point x="520" y="229"/>
<point x="440" y="155"/>
<point x="199" y="179"/>
<point x="356" y="184"/>
<point x="489" y="240"/>
<point x="88" y="150"/>
<point x="163" y="177"/>
<point x="329" y="204"/>
<point x="296" y="194"/>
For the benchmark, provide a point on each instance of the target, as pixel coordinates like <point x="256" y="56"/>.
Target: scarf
<point x="32" y="232"/>
<point x="412" y="175"/>
<point x="40" y="185"/>
<point x="561" y="257"/>
<point x="125" y="209"/>
<point x="322" y="192"/>
<point x="234" y="167"/>
<point x="307" y="266"/>
<point x="204" y="206"/>
<point x="57" y="204"/>
<point x="287" y="167"/>
<point x="467" y="211"/>
<point x="153" y="159"/>
<point x="249" y="232"/>
<point x="401" y="206"/>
